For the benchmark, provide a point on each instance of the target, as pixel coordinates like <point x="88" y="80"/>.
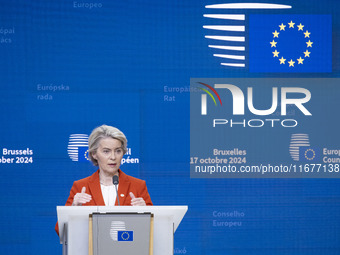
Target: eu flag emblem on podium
<point x="125" y="236"/>
<point x="290" y="43"/>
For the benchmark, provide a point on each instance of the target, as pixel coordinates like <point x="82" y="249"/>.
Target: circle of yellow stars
<point x="313" y="154"/>
<point x="86" y="155"/>
<point x="309" y="44"/>
<point x="125" y="235"/>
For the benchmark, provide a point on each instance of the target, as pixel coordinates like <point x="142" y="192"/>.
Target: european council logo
<point x="300" y="149"/>
<point x="78" y="147"/>
<point x="116" y="227"/>
<point x="272" y="43"/>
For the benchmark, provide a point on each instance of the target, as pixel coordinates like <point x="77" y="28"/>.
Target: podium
<point x="73" y="224"/>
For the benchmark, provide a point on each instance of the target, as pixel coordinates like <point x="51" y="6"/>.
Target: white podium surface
<point x="76" y="218"/>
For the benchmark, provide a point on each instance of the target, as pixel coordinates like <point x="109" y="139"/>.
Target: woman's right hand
<point x="81" y="198"/>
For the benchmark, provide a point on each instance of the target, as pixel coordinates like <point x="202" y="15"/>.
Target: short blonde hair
<point x="101" y="132"/>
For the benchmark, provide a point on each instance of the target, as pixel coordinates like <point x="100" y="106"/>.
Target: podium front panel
<point x="76" y="219"/>
<point x="117" y="233"/>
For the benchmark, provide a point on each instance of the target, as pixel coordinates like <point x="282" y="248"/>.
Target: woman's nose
<point x="113" y="155"/>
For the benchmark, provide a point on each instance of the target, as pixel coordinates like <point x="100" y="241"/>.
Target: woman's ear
<point x="94" y="155"/>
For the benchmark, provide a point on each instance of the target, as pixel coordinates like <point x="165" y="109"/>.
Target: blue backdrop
<point x="69" y="66"/>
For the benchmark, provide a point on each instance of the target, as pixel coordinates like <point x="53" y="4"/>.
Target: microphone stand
<point x="115" y="182"/>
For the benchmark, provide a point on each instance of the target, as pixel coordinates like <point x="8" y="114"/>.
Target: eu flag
<point x="83" y="154"/>
<point x="290" y="43"/>
<point x="309" y="154"/>
<point x="125" y="236"/>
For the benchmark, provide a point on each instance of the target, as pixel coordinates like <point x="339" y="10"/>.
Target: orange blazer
<point x="126" y="185"/>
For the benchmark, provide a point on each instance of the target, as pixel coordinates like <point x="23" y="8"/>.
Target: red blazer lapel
<point x="95" y="190"/>
<point x="123" y="188"/>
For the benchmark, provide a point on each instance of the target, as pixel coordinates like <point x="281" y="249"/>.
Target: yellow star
<point x="309" y="44"/>
<point x="291" y="24"/>
<point x="276" y="34"/>
<point x="306" y="34"/>
<point x="307" y="53"/>
<point x="273" y="44"/>
<point x="300" y="60"/>
<point x="291" y="63"/>
<point x="282" y="60"/>
<point x="300" y="27"/>
<point x="276" y="53"/>
<point x="282" y="27"/>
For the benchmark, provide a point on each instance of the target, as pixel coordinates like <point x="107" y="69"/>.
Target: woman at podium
<point x="107" y="145"/>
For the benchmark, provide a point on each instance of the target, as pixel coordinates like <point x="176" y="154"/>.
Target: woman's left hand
<point x="136" y="201"/>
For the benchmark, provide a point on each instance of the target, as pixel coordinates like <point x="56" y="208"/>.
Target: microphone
<point x="115" y="180"/>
